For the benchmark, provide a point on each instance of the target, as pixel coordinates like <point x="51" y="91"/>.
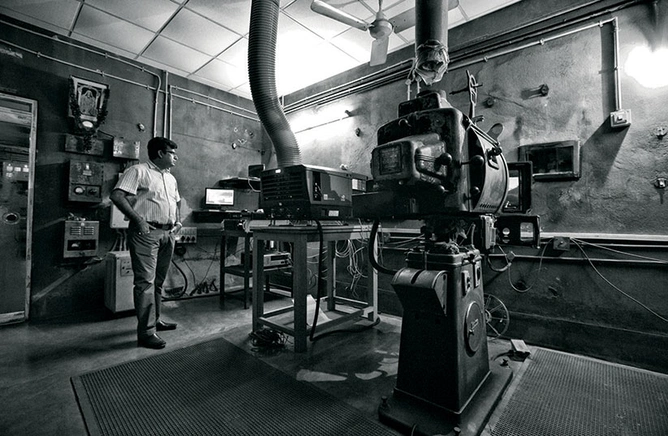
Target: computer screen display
<point x="215" y="198"/>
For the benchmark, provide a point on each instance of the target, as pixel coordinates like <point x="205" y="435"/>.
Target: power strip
<point x="187" y="235"/>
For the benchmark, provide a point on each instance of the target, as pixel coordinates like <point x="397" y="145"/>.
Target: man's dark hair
<point x="159" y="144"/>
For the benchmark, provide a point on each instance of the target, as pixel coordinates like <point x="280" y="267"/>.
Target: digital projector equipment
<point x="279" y="258"/>
<point x="306" y="192"/>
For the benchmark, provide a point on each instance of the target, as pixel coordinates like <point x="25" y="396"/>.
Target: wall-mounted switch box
<point x="620" y="118"/>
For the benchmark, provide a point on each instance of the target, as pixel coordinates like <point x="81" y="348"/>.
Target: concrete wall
<point x="569" y="306"/>
<point x="204" y="132"/>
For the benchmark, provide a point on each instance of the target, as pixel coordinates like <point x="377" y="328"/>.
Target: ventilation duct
<point x="431" y="39"/>
<point x="262" y="77"/>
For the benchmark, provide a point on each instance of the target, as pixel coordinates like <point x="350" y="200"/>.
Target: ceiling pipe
<point x="659" y="23"/>
<point x="262" y="77"/>
<point x="431" y="40"/>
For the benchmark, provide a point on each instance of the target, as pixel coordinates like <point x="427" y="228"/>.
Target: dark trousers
<point x="151" y="255"/>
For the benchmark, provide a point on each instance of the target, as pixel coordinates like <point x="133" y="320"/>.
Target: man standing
<point x="147" y="193"/>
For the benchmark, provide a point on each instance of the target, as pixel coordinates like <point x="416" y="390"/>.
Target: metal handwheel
<point x="496" y="316"/>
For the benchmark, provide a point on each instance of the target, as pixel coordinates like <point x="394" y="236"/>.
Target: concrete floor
<point x="38" y="359"/>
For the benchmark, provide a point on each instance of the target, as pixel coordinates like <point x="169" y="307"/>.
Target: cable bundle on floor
<point x="267" y="338"/>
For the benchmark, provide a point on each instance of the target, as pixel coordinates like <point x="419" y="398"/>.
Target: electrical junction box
<point x="187" y="235"/>
<point x="126" y="149"/>
<point x="77" y="144"/>
<point x="118" y="218"/>
<point x="85" y="182"/>
<point x="620" y="118"/>
<point x="81" y="238"/>
<point x="118" y="282"/>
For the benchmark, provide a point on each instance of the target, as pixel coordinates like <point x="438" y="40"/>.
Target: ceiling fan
<point x="380" y="29"/>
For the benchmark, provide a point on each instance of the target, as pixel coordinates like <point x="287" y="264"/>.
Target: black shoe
<point x="161" y="326"/>
<point x="154" y="341"/>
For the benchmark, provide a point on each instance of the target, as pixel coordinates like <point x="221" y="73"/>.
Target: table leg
<point x="223" y="255"/>
<point x="258" y="282"/>
<point x="372" y="282"/>
<point x="331" y="278"/>
<point x="247" y="268"/>
<point x="299" y="292"/>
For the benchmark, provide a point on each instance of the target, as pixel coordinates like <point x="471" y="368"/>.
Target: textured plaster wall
<point x="615" y="193"/>
<point x="204" y="133"/>
<point x="568" y="306"/>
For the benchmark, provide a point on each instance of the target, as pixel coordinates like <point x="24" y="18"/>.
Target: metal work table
<point x="292" y="320"/>
<point x="243" y="268"/>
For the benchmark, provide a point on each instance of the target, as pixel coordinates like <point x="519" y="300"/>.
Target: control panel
<point x="85" y="183"/>
<point x="81" y="238"/>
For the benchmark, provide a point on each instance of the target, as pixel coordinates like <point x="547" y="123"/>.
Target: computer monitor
<point x="218" y="198"/>
<point x="518" y="198"/>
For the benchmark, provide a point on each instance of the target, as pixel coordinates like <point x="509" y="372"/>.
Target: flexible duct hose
<point x="262" y="77"/>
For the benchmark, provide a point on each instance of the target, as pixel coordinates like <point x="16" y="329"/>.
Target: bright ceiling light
<point x="648" y="67"/>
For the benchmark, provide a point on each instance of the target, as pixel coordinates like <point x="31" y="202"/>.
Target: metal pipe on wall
<point x="199" y="94"/>
<point x="490" y="42"/>
<point x="164" y="106"/>
<point x="618" y="84"/>
<point x="583" y="259"/>
<point x="171" y="109"/>
<point x="401" y="69"/>
<point x="209" y="105"/>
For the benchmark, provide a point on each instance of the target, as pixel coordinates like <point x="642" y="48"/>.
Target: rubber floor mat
<point x="212" y="388"/>
<point x="566" y="395"/>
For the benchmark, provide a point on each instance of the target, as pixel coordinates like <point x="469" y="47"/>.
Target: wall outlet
<point x="620" y="118"/>
<point x="187" y="235"/>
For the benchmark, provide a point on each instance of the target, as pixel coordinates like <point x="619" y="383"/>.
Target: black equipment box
<point x="305" y="192"/>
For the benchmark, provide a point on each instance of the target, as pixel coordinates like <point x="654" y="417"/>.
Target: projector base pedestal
<point x="413" y="416"/>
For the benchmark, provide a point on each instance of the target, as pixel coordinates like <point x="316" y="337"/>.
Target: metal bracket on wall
<point x="561" y="243"/>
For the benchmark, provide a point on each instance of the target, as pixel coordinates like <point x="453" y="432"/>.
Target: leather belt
<point x="160" y="226"/>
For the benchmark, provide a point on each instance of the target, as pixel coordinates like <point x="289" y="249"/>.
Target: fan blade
<point x="379" y="51"/>
<point x="403" y="21"/>
<point x="323" y="8"/>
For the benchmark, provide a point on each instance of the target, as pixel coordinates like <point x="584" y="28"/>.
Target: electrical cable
<point x="353" y="268"/>
<point x="602" y="247"/>
<point x="372" y="255"/>
<point x="185" y="286"/>
<point x="356" y="330"/>
<point x="203" y="286"/>
<point x="498" y="270"/>
<point x="540" y="265"/>
<point x="268" y="338"/>
<point x="647" y="308"/>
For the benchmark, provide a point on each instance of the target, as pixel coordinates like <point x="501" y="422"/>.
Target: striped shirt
<point x="156" y="192"/>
